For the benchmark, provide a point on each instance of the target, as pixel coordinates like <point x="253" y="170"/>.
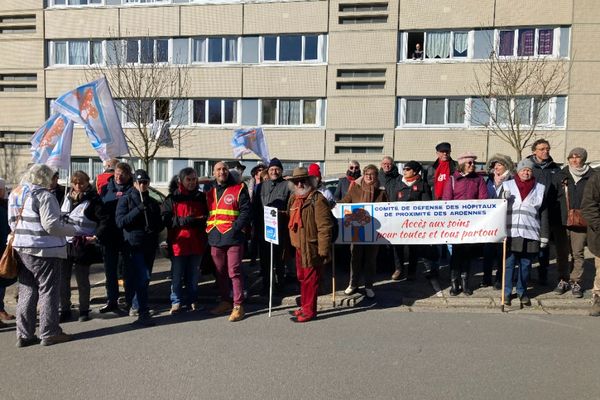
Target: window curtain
<point x="526" y="42"/>
<point x="546" y="39"/>
<point x="60" y="52"/>
<point x="289" y="112"/>
<point x="507" y="40"/>
<point x="523" y="111"/>
<point x="309" y="114"/>
<point x="414" y="111"/>
<point x="461" y="44"/>
<point x="438" y="45"/>
<point x="231" y="46"/>
<point x="96" y="52"/>
<point x="199" y="51"/>
<point x="162" y="167"/>
<point x="78" y="52"/>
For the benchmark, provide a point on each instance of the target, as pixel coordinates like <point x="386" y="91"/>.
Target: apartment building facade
<point x="328" y="80"/>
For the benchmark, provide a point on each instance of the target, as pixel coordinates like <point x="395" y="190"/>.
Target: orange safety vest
<point x="223" y="211"/>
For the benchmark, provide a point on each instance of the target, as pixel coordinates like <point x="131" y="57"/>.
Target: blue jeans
<point x="137" y="277"/>
<point x="523" y="261"/>
<point x="185" y="269"/>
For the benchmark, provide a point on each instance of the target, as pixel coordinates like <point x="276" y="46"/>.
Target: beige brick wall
<point x="61" y="80"/>
<point x="215" y="82"/>
<point x="22" y="113"/>
<point x="285" y="17"/>
<point x="361" y="112"/>
<point x="389" y="78"/>
<point x="211" y="20"/>
<point x="533" y="12"/>
<point x="340" y="160"/>
<point x="442" y="14"/>
<point x="149" y="21"/>
<point x="439" y="79"/>
<point x="415" y="144"/>
<point x="20" y="5"/>
<point x="586" y="11"/>
<point x="304" y="81"/>
<point x="82" y="23"/>
<point x="584" y="111"/>
<point x="335" y="14"/>
<point x="17" y="54"/>
<point x="363" y="47"/>
<point x="585" y="42"/>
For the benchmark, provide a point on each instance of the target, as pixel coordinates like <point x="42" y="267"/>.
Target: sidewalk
<point x="414" y="296"/>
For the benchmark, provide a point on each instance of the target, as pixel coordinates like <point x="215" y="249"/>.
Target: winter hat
<point x="444" y="146"/>
<point x="580" y="152"/>
<point x="314" y="170"/>
<point x="414" y="165"/>
<point x="141" y="175"/>
<point x="525" y="163"/>
<point x="275" y="163"/>
<point x="466" y="156"/>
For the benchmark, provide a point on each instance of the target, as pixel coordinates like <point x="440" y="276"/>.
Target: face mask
<point x="354" y="173"/>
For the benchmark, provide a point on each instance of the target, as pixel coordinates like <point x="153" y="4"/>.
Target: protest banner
<point x="422" y="222"/>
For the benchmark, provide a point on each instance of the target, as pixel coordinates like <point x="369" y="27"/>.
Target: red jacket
<point x="184" y="214"/>
<point x="102" y="180"/>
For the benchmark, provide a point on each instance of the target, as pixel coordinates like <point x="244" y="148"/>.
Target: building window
<point x="360" y="85"/>
<point x="292" y="48"/>
<point x="147" y="51"/>
<point x="358" y="137"/>
<point x="363" y="7"/>
<point x="518" y="111"/>
<point x="358" y="149"/>
<point x="76" y="52"/>
<point x="291" y="112"/>
<point x="429" y="112"/>
<point x="215" y="111"/>
<point x="530" y="42"/>
<point x="215" y="50"/>
<point x="436" y="45"/>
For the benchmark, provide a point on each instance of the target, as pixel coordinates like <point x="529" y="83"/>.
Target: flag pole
<point x="271" y="282"/>
<point x="504" y="271"/>
<point x="333" y="274"/>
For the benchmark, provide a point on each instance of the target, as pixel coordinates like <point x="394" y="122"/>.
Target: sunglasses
<point x="143" y="182"/>
<point x="407" y="169"/>
<point x="351" y="168"/>
<point x="300" y="181"/>
<point x="469" y="163"/>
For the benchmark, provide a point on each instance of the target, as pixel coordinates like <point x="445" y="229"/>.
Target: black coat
<point x="545" y="174"/>
<point x="107" y="231"/>
<point x="419" y="191"/>
<point x="428" y="174"/>
<point x="389" y="179"/>
<point x="141" y="223"/>
<point x="563" y="178"/>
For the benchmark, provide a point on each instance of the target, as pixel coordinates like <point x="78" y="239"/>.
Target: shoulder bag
<point x="574" y="217"/>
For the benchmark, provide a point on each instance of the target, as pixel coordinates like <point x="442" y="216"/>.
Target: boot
<point x="595" y="310"/>
<point x="237" y="314"/>
<point x="465" y="286"/>
<point x="498" y="281"/>
<point x="542" y="276"/>
<point x="455" y="288"/>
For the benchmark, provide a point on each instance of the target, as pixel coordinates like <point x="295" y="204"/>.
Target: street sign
<point x="271" y="228"/>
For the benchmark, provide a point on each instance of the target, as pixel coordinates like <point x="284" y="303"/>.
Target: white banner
<point x="422" y="222"/>
<point x="271" y="225"/>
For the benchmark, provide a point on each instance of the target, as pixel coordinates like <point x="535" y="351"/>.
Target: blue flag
<point x="250" y="140"/>
<point x="51" y="143"/>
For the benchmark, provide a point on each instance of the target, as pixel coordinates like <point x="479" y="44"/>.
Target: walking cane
<point x="271" y="282"/>
<point x="333" y="274"/>
<point x="503" y="271"/>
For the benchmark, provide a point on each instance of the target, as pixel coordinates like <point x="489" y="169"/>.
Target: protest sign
<point x="271" y="228"/>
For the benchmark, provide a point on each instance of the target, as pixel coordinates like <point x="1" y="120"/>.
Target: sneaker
<point x="133" y="312"/>
<point x="369" y="293"/>
<point x="525" y="300"/>
<point x="84" y="316"/>
<point x="350" y="290"/>
<point x="562" y="287"/>
<point x="196" y="307"/>
<point x="397" y="275"/>
<point x="237" y="314"/>
<point x="22" y="342"/>
<point x="6" y="316"/>
<point x="576" y="290"/>
<point x="223" y="307"/>
<point x="3" y="325"/>
<point x="175" y="309"/>
<point x="595" y="310"/>
<point x="56" y="339"/>
<point x="109" y="307"/>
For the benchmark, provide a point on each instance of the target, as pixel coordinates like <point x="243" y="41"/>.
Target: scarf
<point x="296" y="218"/>
<point x="442" y="174"/>
<point x="367" y="192"/>
<point x="410" y="181"/>
<point x="578" y="173"/>
<point x="524" y="187"/>
<point x="353" y="175"/>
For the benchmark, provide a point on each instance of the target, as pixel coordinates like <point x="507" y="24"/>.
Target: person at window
<point x="464" y="184"/>
<point x="109" y="171"/>
<point x="364" y="257"/>
<point x="82" y="208"/>
<point x="544" y="169"/>
<point x="501" y="168"/>
<point x="310" y="228"/>
<point x="590" y="208"/>
<point x="417" y="53"/>
<point x="184" y="213"/>
<point x="410" y="188"/>
<point x="4" y="231"/>
<point x="572" y="180"/>
<point x="110" y="236"/>
<point x="527" y="225"/>
<point x="436" y="175"/>
<point x="139" y="216"/>
<point x="228" y="215"/>
<point x="352" y="173"/>
<point x="41" y="246"/>
<point x="274" y="193"/>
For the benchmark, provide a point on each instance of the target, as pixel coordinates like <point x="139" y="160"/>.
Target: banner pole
<point x="271" y="282"/>
<point x="503" y="272"/>
<point x="333" y="274"/>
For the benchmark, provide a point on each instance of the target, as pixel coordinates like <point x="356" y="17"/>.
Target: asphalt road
<point x="346" y="354"/>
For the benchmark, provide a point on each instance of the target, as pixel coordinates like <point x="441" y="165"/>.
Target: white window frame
<point x="423" y="124"/>
<point x="555" y="42"/>
<point x="139" y="50"/>
<point x="319" y="108"/>
<point x="223" y="50"/>
<point x="237" y="115"/>
<point x="550" y="124"/>
<point x="470" y="45"/>
<point x="320" y="49"/>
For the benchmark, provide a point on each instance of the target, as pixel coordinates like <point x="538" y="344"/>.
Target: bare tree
<point x="149" y="90"/>
<point x="515" y="96"/>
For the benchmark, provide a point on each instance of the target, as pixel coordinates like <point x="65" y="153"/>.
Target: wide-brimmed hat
<point x="299" y="173"/>
<point x="466" y="156"/>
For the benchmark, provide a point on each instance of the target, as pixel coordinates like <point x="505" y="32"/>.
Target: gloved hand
<point x="141" y="207"/>
<point x="543" y="244"/>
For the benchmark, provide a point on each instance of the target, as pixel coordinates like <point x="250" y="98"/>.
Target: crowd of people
<point x="59" y="231"/>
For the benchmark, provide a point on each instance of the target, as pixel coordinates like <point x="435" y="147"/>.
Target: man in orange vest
<point x="228" y="215"/>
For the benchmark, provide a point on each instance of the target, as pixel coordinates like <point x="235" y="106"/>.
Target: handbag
<point x="574" y="217"/>
<point x="9" y="264"/>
